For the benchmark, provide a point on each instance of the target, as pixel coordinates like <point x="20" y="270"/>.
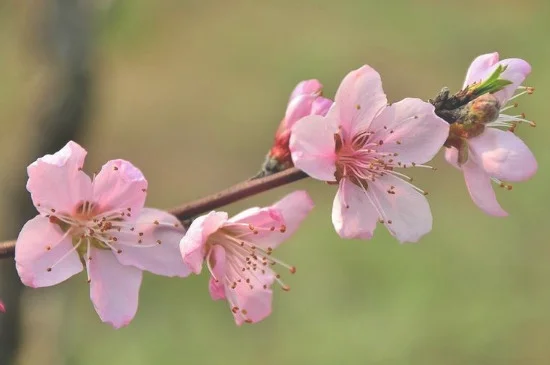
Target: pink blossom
<point x="238" y="253"/>
<point x="2" y="307"/>
<point x="496" y="155"/>
<point x="305" y="100"/>
<point x="100" y="224"/>
<point x="359" y="144"/>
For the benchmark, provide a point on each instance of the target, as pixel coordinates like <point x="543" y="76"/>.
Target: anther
<point x="49" y="269"/>
<point x="159" y="242"/>
<point x="282" y="229"/>
<point x="119" y="251"/>
<point x="156" y="223"/>
<point x="48" y="248"/>
<point x="358" y="106"/>
<point x="115" y="168"/>
<point x="292" y="269"/>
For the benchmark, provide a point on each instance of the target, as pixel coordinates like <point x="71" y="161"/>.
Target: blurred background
<point x="192" y="92"/>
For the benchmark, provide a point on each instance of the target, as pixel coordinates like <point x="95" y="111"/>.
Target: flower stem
<point x="230" y="195"/>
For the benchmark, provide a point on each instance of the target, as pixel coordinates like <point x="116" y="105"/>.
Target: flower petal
<point x="503" y="155"/>
<point x="163" y="232"/>
<point x="306" y="87"/>
<point x="478" y="69"/>
<point x="406" y="212"/>
<point x="192" y="245"/>
<point x="321" y="106"/>
<point x="120" y="186"/>
<point x="44" y="254"/>
<point x="216" y="289"/>
<point x="312" y="146"/>
<point x="359" y="99"/>
<point x="253" y="305"/>
<point x="516" y="72"/>
<point x="480" y="189"/>
<point x="353" y="215"/>
<point x="114" y="288"/>
<point x="451" y="155"/>
<point x="269" y="227"/>
<point x="298" y="108"/>
<point x="58" y="182"/>
<point x="411" y="129"/>
<point x="483" y="66"/>
<point x="217" y="263"/>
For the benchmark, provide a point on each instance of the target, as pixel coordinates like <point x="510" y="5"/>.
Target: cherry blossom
<point x="238" y="252"/>
<point x="359" y="145"/>
<point x="98" y="224"/>
<point x="494" y="154"/>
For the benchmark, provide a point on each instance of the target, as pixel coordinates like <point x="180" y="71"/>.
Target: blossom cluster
<point x="358" y="142"/>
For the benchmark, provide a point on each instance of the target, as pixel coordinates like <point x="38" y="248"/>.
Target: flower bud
<point x="305" y="100"/>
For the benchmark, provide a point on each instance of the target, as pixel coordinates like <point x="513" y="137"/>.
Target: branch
<point x="230" y="195"/>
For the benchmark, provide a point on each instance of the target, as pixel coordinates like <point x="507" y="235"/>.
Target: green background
<point x="192" y="92"/>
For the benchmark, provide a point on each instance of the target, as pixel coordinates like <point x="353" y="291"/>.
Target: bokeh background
<point x="192" y="92"/>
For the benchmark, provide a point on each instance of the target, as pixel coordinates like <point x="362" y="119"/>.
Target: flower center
<point x="360" y="161"/>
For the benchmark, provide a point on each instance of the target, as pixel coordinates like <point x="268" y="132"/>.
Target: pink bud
<point x="305" y="100"/>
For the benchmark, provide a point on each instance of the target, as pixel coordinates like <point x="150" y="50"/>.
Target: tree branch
<point x="230" y="195"/>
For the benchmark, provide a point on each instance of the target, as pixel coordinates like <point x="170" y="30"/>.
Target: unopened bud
<point x="305" y="100"/>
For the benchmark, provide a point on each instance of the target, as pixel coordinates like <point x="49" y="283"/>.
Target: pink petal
<point x="481" y="190"/>
<point x="41" y="245"/>
<point x="411" y="129"/>
<point x="451" y="155"/>
<point x="217" y="262"/>
<point x="483" y="66"/>
<point x="353" y="215"/>
<point x="57" y="182"/>
<point x="192" y="245"/>
<point x="120" y="186"/>
<point x="216" y="289"/>
<point x="503" y="155"/>
<point x="321" y="106"/>
<point x="516" y="71"/>
<point x="306" y="87"/>
<point x="2" y="307"/>
<point x="359" y="99"/>
<point x="298" y="108"/>
<point x="256" y="303"/>
<point x="294" y="208"/>
<point x="407" y="209"/>
<point x="163" y="258"/>
<point x="313" y="148"/>
<point x="250" y="299"/>
<point x="478" y="69"/>
<point x="273" y="225"/>
<point x="114" y="288"/>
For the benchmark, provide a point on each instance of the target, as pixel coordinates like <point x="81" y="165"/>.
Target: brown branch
<point x="230" y="195"/>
